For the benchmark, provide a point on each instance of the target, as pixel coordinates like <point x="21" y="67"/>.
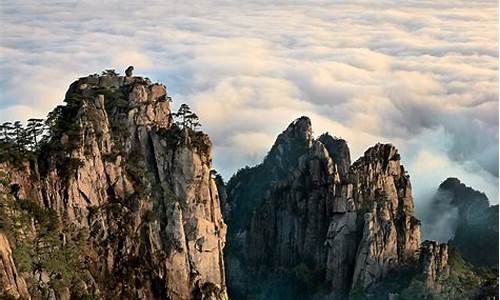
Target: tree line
<point x="17" y="140"/>
<point x="21" y="138"/>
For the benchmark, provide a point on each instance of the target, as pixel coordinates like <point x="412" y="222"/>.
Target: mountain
<point x="113" y="196"/>
<point x="306" y="224"/>
<point x="474" y="226"/>
<point x="116" y="201"/>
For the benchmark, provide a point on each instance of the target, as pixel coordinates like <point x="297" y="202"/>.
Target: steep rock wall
<point x="117" y="168"/>
<point x="343" y="226"/>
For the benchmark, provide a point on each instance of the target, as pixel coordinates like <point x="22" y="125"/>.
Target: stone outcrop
<point x="129" y="71"/>
<point x="119" y="201"/>
<point x="349" y="224"/>
<point x="119" y="169"/>
<point x="433" y="263"/>
<point x="11" y="282"/>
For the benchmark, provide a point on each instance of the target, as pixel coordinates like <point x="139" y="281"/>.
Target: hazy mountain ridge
<point x="473" y="225"/>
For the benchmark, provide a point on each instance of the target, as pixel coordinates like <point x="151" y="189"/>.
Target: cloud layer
<point x="419" y="74"/>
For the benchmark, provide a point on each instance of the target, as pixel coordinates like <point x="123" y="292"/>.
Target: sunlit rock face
<point x="306" y="212"/>
<point x="119" y="170"/>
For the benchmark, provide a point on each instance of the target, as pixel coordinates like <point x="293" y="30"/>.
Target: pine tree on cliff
<point x="5" y="130"/>
<point x="34" y="129"/>
<point x="188" y="119"/>
<point x="20" y="136"/>
<point x="194" y="121"/>
<point x="183" y="112"/>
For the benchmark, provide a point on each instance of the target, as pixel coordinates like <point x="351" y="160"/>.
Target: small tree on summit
<point x="183" y="111"/>
<point x="109" y="72"/>
<point x="194" y="121"/>
<point x="5" y="131"/>
<point x="188" y="119"/>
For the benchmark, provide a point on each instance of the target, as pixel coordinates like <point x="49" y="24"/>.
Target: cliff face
<point x="119" y="201"/>
<point x="345" y="228"/>
<point x="10" y="280"/>
<point x="138" y="188"/>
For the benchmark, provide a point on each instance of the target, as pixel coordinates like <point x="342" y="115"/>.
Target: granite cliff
<point x="117" y="202"/>
<point x="306" y="223"/>
<point x="114" y="197"/>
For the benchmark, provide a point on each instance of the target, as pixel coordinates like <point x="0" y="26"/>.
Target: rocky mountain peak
<point x="299" y="129"/>
<point x="339" y="152"/>
<point x="348" y="232"/>
<point x="383" y="153"/>
<point x="462" y="195"/>
<point x="298" y="135"/>
<point x="115" y="169"/>
<point x="470" y="223"/>
<point x="146" y="103"/>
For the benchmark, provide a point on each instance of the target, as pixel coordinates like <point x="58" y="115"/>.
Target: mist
<point x="439" y="217"/>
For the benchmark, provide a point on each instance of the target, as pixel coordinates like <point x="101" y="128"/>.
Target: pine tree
<point x="20" y="137"/>
<point x="34" y="130"/>
<point x="183" y="112"/>
<point x="6" y="141"/>
<point x="5" y="132"/>
<point x="194" y="121"/>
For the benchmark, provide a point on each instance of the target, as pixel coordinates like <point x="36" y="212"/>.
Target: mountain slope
<point x="473" y="227"/>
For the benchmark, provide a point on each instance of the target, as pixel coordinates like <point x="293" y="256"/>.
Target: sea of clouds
<point x="422" y="75"/>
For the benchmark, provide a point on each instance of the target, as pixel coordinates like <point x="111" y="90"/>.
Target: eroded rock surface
<point x="11" y="282"/>
<point x="306" y="212"/>
<point x="118" y="169"/>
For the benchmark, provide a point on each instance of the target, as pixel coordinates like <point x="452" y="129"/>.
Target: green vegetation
<point x="17" y="142"/>
<point x="462" y="281"/>
<point x="356" y="295"/>
<point x="187" y="119"/>
<point x="50" y="250"/>
<point x="109" y="72"/>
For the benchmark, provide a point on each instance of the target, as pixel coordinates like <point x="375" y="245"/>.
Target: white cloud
<point x="420" y="74"/>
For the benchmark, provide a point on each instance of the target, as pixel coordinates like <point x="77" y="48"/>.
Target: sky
<point x="422" y="75"/>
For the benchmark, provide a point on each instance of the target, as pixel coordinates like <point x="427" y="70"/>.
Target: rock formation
<point x="434" y="263"/>
<point x="10" y="280"/>
<point x="306" y="212"/>
<point x="123" y="194"/>
<point x="474" y="224"/>
<point x="129" y="71"/>
<point x="119" y="201"/>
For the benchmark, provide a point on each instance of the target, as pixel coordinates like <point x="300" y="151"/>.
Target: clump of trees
<point x="18" y="141"/>
<point x="186" y="118"/>
<point x="109" y="72"/>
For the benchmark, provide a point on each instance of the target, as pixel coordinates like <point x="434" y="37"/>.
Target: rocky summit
<point x="119" y="202"/>
<point x="113" y="196"/>
<point x="310" y="224"/>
